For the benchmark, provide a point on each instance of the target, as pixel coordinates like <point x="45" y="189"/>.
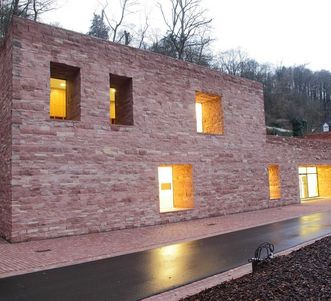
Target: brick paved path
<point x="26" y="257"/>
<point x="140" y="274"/>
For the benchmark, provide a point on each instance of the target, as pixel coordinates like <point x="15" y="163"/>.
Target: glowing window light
<point x="198" y="113"/>
<point x="112" y="112"/>
<point x="311" y="170"/>
<point x="302" y="170"/>
<point x="58" y="98"/>
<point x="308" y="182"/>
<point x="165" y="188"/>
<point x="274" y="182"/>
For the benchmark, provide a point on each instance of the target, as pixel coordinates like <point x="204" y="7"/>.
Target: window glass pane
<point x="165" y="188"/>
<point x="209" y="113"/>
<point x="311" y="170"/>
<point x="312" y="185"/>
<point x="198" y="112"/>
<point x="303" y="184"/>
<point x="302" y="170"/>
<point x="112" y="93"/>
<point x="58" y="98"/>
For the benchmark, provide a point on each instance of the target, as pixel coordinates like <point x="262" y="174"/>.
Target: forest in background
<point x="296" y="98"/>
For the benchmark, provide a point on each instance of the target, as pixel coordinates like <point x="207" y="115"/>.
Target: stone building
<point x="96" y="136"/>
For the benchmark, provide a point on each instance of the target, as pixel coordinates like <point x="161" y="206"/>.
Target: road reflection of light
<point x="310" y="224"/>
<point x="171" y="250"/>
<point x="169" y="263"/>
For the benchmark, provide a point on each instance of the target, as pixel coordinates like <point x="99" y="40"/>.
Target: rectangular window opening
<point x="58" y="101"/>
<point x="308" y="182"/>
<point x="175" y="187"/>
<point x="64" y="92"/>
<point x="274" y="182"/>
<point x="121" y="100"/>
<point x="324" y="181"/>
<point x="112" y="113"/>
<point x="209" y="113"/>
<point x="198" y="112"/>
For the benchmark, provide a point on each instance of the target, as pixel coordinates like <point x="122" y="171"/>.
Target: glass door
<point x="308" y="182"/>
<point x="312" y="185"/>
<point x="303" y="186"/>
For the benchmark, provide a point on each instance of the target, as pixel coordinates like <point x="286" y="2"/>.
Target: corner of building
<point x="6" y="135"/>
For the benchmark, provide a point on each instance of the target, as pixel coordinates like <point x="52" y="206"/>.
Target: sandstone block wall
<point x="289" y="154"/>
<point x="87" y="175"/>
<point x="5" y="136"/>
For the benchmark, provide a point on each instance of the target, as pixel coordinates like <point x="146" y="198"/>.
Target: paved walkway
<point x="26" y="257"/>
<point x="142" y="274"/>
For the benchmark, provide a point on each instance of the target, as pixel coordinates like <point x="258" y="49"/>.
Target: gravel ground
<point x="304" y="274"/>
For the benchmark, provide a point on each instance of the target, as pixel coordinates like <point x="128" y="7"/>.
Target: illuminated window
<point x="308" y="182"/>
<point x="274" y="182"/>
<point x="209" y="113"/>
<point x="324" y="181"/>
<point x="198" y="113"/>
<point x="121" y="101"/>
<point x="58" y="101"/>
<point x="175" y="187"/>
<point x="112" y="113"/>
<point x="64" y="92"/>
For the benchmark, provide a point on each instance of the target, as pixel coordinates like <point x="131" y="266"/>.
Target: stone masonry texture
<point x="68" y="177"/>
<point x="6" y="75"/>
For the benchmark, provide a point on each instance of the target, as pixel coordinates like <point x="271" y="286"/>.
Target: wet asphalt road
<point x="138" y="275"/>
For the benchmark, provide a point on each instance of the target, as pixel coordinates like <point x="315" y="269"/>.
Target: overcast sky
<point x="288" y="32"/>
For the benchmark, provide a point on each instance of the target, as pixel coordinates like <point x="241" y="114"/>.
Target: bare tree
<point x="30" y="9"/>
<point x="142" y="35"/>
<point x="232" y="61"/>
<point x="118" y="35"/>
<point x="41" y="6"/>
<point x="185" y="24"/>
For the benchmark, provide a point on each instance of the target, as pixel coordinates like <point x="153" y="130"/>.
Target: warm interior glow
<point x="308" y="182"/>
<point x="312" y="185"/>
<point x="175" y="187"/>
<point x="198" y="114"/>
<point x="311" y="169"/>
<point x="302" y="170"/>
<point x="324" y="180"/>
<point x="209" y="113"/>
<point x="112" y="113"/>
<point x="58" y="98"/>
<point x="274" y="182"/>
<point x="303" y="185"/>
<point x="166" y="193"/>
